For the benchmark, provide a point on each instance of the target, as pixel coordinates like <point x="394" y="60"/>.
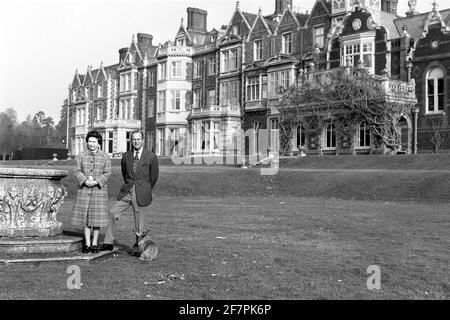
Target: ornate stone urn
<point x="29" y="202"/>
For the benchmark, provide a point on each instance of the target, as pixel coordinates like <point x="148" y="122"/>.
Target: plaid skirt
<point x="91" y="207"/>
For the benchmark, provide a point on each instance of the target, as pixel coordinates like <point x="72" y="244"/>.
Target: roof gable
<point x="183" y="33"/>
<point x="101" y="74"/>
<point x="132" y="56"/>
<point x="418" y="24"/>
<point x="288" y="18"/>
<point x="319" y="9"/>
<point x="77" y="80"/>
<point x="239" y="18"/>
<point x="260" y="25"/>
<point x="88" y="79"/>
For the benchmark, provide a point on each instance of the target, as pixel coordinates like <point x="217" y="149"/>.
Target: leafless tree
<point x="350" y="95"/>
<point x="437" y="134"/>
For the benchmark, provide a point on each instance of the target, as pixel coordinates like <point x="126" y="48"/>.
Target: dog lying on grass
<point x="148" y="249"/>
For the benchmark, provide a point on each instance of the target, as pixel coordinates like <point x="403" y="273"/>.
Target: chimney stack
<point x="281" y="5"/>
<point x="122" y="54"/>
<point x="145" y="39"/>
<point x="197" y="20"/>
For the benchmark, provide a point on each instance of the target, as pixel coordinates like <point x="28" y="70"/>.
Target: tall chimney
<point x="197" y="20"/>
<point x="122" y="54"/>
<point x="281" y="5"/>
<point x="145" y="38"/>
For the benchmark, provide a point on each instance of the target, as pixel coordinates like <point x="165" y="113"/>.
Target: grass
<point x="279" y="248"/>
<point x="308" y="232"/>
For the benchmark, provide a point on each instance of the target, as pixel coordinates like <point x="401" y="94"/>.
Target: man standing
<point x="140" y="171"/>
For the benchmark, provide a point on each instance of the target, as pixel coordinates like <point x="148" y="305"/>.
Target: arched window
<point x="330" y="136"/>
<point x="435" y="90"/>
<point x="301" y="136"/>
<point x="363" y="134"/>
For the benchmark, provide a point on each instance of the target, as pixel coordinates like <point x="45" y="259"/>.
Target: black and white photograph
<point x="225" y="155"/>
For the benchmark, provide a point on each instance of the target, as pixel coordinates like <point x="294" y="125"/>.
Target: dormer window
<point x="213" y="38"/>
<point x="180" y="42"/>
<point x="235" y="30"/>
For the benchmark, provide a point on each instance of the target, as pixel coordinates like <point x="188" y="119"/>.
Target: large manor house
<point x="211" y="91"/>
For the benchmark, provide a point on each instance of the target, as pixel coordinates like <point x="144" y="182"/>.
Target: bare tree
<point x="350" y="95"/>
<point x="437" y="134"/>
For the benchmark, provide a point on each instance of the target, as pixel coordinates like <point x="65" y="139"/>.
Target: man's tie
<point x="136" y="160"/>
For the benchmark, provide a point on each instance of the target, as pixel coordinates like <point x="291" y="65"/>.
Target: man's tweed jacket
<point x="144" y="179"/>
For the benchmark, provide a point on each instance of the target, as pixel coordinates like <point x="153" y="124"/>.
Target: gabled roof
<point x="89" y="78"/>
<point x="77" y="79"/>
<point x="289" y="12"/>
<point x="417" y="23"/>
<point x="146" y="49"/>
<point x="325" y="5"/>
<point x="248" y="18"/>
<point x="302" y="18"/>
<point x="140" y="50"/>
<point x="182" y="31"/>
<point x="100" y="72"/>
<point x="263" y="21"/>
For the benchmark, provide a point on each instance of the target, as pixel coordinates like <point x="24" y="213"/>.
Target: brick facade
<point x="401" y="48"/>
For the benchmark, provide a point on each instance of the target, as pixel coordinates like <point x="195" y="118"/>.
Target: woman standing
<point x="91" y="206"/>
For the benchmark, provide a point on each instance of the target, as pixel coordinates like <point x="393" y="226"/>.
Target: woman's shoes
<point x="85" y="249"/>
<point x="94" y="249"/>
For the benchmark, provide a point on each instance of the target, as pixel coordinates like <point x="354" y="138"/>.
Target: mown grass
<point x="231" y="233"/>
<point x="252" y="248"/>
<point x="390" y="185"/>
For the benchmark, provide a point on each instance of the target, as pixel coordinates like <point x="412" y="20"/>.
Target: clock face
<point x="356" y="24"/>
<point x="434" y="44"/>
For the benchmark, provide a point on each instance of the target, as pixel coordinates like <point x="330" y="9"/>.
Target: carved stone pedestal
<point x="29" y="231"/>
<point x="29" y="202"/>
<point x="58" y="244"/>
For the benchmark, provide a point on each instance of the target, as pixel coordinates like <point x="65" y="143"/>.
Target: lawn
<point x="308" y="232"/>
<point x="276" y="248"/>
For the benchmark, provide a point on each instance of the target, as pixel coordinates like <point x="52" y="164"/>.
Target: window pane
<point x="430" y="86"/>
<point x="440" y="86"/>
<point x="441" y="102"/>
<point x="430" y="103"/>
<point x="367" y="60"/>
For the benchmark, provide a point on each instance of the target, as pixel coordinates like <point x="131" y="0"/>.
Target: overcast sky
<point x="42" y="42"/>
